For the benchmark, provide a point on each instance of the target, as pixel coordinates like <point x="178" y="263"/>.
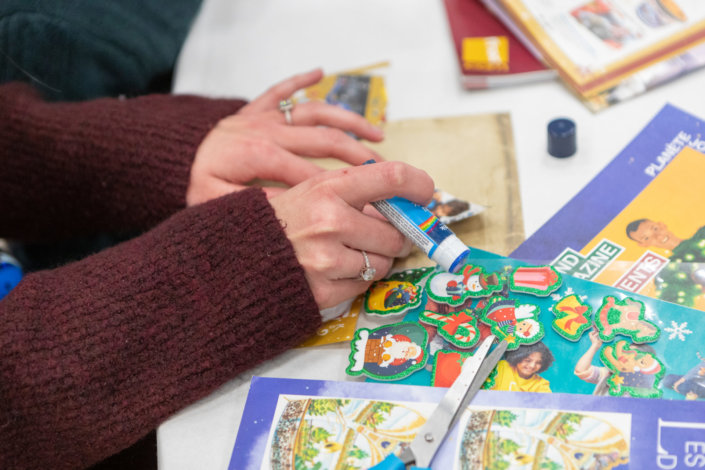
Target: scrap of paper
<point x="337" y="330"/>
<point x="355" y="90"/>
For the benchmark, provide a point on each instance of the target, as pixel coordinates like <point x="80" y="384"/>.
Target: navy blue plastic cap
<point x="561" y="137"/>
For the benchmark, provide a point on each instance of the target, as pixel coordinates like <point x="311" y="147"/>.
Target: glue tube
<point x="425" y="230"/>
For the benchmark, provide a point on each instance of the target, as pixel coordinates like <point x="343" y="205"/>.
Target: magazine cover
<point x="596" y="45"/>
<point x="298" y="424"/>
<point x="637" y="224"/>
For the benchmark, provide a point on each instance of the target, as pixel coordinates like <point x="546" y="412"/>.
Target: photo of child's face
<point x="530" y="365"/>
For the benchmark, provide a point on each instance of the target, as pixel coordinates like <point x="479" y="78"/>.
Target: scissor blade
<point x="473" y="374"/>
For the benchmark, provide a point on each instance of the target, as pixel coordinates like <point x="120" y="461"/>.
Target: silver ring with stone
<point x="367" y="272"/>
<point x="286" y="106"/>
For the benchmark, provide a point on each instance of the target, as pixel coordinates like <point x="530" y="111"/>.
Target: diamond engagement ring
<point x="285" y="106"/>
<point x="367" y="272"/>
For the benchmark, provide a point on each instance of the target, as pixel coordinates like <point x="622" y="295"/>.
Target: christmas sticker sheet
<point x="565" y="334"/>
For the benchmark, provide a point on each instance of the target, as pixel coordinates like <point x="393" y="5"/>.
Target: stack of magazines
<point x="610" y="50"/>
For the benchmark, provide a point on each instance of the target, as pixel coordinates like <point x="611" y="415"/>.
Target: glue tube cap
<point x="451" y="254"/>
<point x="561" y="138"/>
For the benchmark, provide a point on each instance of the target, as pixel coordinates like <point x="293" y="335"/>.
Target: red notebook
<point x="489" y="54"/>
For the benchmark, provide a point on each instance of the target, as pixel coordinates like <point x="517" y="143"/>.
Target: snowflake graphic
<point x="678" y="330"/>
<point x="569" y="291"/>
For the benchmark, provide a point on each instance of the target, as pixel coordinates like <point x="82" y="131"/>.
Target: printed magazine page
<point x="651" y="178"/>
<point x="597" y="44"/>
<point x="292" y="424"/>
<point x="656" y="245"/>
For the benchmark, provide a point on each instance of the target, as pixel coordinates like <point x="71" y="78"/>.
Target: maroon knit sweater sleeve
<point x="101" y="166"/>
<point x="95" y="354"/>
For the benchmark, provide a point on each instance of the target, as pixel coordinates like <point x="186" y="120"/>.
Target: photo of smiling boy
<point x="682" y="280"/>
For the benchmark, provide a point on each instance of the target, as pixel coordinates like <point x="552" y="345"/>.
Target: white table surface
<point x="238" y="48"/>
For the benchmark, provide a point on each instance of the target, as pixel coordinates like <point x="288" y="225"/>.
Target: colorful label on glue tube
<point x="415" y="221"/>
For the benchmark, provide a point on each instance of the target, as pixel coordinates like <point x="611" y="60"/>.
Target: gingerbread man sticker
<point x="626" y="317"/>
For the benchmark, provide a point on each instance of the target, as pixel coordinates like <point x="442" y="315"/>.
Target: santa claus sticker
<point x="517" y="323"/>
<point x="390" y="352"/>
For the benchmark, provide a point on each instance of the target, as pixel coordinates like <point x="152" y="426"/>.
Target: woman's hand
<point x="257" y="143"/>
<point x="323" y="218"/>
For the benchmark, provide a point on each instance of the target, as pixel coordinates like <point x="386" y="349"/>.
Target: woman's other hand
<point x="258" y="143"/>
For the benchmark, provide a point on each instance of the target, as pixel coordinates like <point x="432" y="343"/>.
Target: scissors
<point x="420" y="452"/>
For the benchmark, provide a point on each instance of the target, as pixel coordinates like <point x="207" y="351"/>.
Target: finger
<point x="372" y="212"/>
<point x="316" y="113"/>
<point x="285" y="167"/>
<point x="336" y="291"/>
<point x="272" y="191"/>
<point x="408" y="244"/>
<point x="366" y="183"/>
<point x="283" y="90"/>
<point x="321" y="142"/>
<point x="374" y="235"/>
<point x="273" y="163"/>
<point x="350" y="264"/>
<point x="335" y="276"/>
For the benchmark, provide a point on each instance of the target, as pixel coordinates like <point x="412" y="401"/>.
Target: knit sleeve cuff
<point x="106" y="165"/>
<point x="104" y="349"/>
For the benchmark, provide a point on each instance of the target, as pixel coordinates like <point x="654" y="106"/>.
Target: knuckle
<point x="384" y="268"/>
<point x="398" y="242"/>
<point x="335" y="137"/>
<point x="325" y="261"/>
<point x="278" y="89"/>
<point x="257" y="126"/>
<point x="317" y="108"/>
<point x="259" y="146"/>
<point x="396" y="173"/>
<point x="325" y="222"/>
